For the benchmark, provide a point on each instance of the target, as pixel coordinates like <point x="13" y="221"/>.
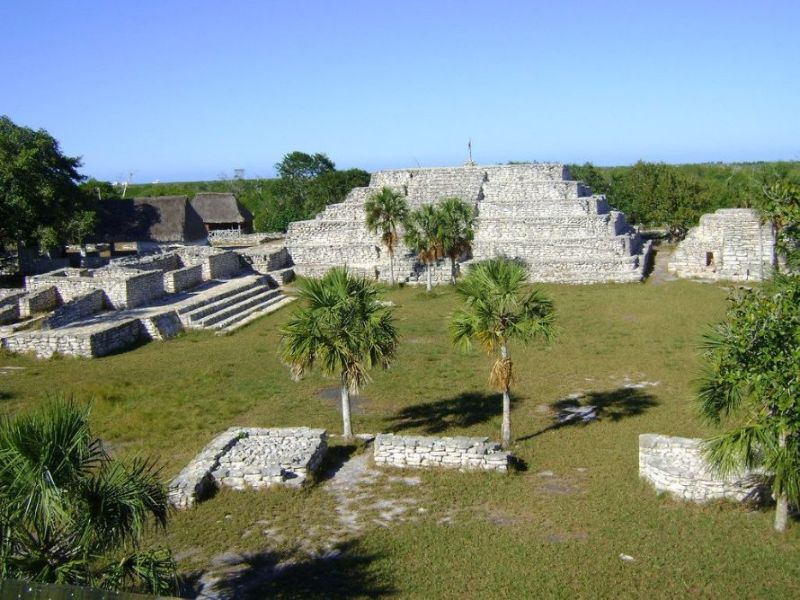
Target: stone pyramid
<point x="533" y="212"/>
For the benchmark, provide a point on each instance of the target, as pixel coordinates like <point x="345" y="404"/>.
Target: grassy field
<point x="555" y="528"/>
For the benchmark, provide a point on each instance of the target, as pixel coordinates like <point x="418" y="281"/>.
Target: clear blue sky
<point x="176" y="90"/>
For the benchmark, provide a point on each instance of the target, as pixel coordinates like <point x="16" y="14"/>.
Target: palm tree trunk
<point x="505" y="433"/>
<point x="453" y="270"/>
<point x="348" y="428"/>
<point x="430" y="284"/>
<point x="781" y="501"/>
<point x="391" y="266"/>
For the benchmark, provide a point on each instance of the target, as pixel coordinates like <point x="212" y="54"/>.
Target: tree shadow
<point x="464" y="410"/>
<point x="334" y="459"/>
<point x="614" y="405"/>
<point x="344" y="573"/>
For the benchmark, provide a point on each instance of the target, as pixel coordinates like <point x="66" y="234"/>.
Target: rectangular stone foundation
<point x="469" y="453"/>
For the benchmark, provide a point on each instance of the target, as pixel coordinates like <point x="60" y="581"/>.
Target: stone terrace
<point x="531" y="212"/>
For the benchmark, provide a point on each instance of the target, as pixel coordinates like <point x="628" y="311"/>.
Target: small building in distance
<point x="222" y="211"/>
<point x="155" y="219"/>
<point x="732" y="244"/>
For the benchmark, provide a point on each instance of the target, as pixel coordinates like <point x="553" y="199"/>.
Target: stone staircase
<point x="533" y="212"/>
<point x="234" y="305"/>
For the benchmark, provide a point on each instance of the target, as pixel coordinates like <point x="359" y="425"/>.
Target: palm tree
<point x="753" y="385"/>
<point x="457" y="230"/>
<point x="424" y="235"/>
<point x="71" y="515"/>
<point x="386" y="210"/>
<point x="344" y="328"/>
<point x="498" y="308"/>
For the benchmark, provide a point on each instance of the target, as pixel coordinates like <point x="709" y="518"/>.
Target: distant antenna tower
<point x="238" y="173"/>
<point x="469" y="162"/>
<point x="126" y="183"/>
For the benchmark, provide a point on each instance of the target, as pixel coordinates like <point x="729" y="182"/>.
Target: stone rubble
<point x="252" y="457"/>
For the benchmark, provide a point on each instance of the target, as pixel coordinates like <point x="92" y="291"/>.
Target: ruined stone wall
<point x="221" y="266"/>
<point x="183" y="279"/>
<point x="77" y="308"/>
<point x="42" y="300"/>
<point x="676" y="465"/>
<point x="46" y="343"/>
<point x="250" y="457"/>
<point x="474" y="453"/>
<point x="731" y="244"/>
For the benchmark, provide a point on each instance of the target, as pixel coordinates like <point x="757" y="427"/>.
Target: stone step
<point x="241" y="319"/>
<point x="211" y="302"/>
<point x="242" y="305"/>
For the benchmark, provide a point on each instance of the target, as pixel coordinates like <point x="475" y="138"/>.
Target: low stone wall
<point x="448" y="452"/>
<point x="88" y="343"/>
<point x="77" y="308"/>
<point x="8" y="313"/>
<point x="183" y="279"/>
<point x="676" y="465"/>
<point x="250" y="457"/>
<point x="42" y="300"/>
<point x="162" y="326"/>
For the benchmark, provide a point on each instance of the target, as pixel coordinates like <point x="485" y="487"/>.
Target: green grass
<point x="481" y="535"/>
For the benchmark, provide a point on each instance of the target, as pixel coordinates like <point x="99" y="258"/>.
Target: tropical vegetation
<point x="457" y="230"/>
<point x="423" y="235"/>
<point x="69" y="513"/>
<point x="344" y="328"/>
<point x="752" y="388"/>
<point x="498" y="308"/>
<point x="386" y="211"/>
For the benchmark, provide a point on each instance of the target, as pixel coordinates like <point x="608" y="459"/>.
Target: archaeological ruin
<point x="532" y="212"/>
<point x="676" y="466"/>
<point x="732" y="244"/>
<point x="95" y="312"/>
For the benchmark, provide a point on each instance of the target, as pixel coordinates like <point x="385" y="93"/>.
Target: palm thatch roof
<point x="220" y="208"/>
<point x="156" y="219"/>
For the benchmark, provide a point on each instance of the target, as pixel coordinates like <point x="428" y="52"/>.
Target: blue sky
<point x="177" y="90"/>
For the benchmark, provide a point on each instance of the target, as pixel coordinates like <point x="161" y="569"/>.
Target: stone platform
<point x="250" y="457"/>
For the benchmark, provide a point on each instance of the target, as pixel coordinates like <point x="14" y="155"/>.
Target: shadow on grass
<point x="615" y="405"/>
<point x="335" y="458"/>
<point x="5" y="396"/>
<point x="464" y="410"/>
<point x="345" y="573"/>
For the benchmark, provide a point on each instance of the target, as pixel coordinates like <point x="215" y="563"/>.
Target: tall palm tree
<point x="457" y="230"/>
<point x="386" y="210"/>
<point x="499" y="307"/>
<point x="71" y="515"/>
<point x="752" y="385"/>
<point x="424" y="235"/>
<point x="344" y="328"/>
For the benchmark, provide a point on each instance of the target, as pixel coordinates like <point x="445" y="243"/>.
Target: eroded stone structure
<point x="469" y="453"/>
<point x="532" y="212"/>
<point x="732" y="244"/>
<point x="99" y="311"/>
<point x="676" y="465"/>
<point x="250" y="457"/>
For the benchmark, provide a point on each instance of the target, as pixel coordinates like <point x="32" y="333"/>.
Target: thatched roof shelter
<point x="219" y="210"/>
<point x="153" y="219"/>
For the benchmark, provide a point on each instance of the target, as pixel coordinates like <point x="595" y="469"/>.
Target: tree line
<point x="674" y="197"/>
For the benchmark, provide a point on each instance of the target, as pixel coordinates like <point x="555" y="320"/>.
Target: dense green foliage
<point x="498" y="308"/>
<point x="781" y="204"/>
<point x="40" y="201"/>
<point x="306" y="185"/>
<point x="343" y="328"/>
<point x="69" y="514"/>
<point x="386" y="211"/>
<point x="675" y="196"/>
<point x="753" y="386"/>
